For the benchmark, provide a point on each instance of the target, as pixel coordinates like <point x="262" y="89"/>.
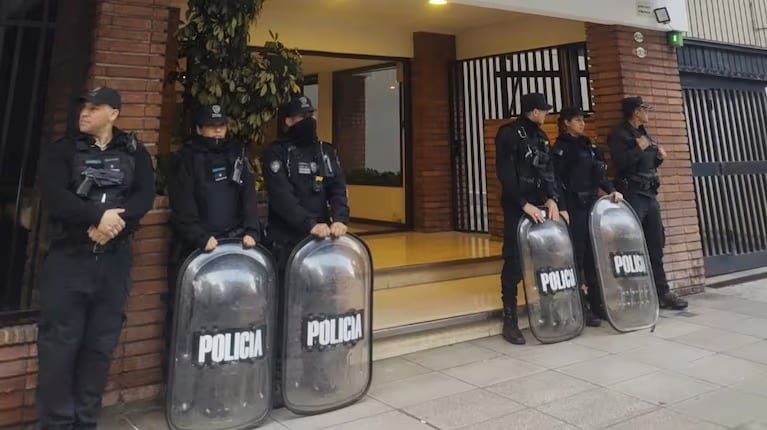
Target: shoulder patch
<point x="275" y="166"/>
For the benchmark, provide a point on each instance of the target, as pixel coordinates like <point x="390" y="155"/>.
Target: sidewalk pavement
<point x="702" y="369"/>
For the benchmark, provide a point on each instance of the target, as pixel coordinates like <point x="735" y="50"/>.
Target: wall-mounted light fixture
<point x="439" y="2"/>
<point x="661" y="15"/>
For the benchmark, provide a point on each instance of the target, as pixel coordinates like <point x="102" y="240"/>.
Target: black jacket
<point x="581" y="170"/>
<point x="306" y="186"/>
<point x="524" y="166"/>
<point x="636" y="169"/>
<point x="204" y="199"/>
<point x="73" y="214"/>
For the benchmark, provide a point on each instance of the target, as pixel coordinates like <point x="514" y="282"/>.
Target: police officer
<point x="212" y="195"/>
<point x="96" y="186"/>
<point x="307" y="193"/>
<point x="637" y="157"/>
<point x="582" y="172"/>
<point x="525" y="169"/>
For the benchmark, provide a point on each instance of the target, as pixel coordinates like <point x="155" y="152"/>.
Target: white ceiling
<point x="412" y="15"/>
<point x="312" y="64"/>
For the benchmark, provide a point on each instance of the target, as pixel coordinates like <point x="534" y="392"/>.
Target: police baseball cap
<point x="103" y="96"/>
<point x="298" y="106"/>
<point x="535" y="101"/>
<point x="630" y="104"/>
<point x="210" y="115"/>
<point x="571" y="112"/>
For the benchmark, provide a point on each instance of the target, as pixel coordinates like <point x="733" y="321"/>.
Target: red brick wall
<point x="617" y="72"/>
<point x="349" y="135"/>
<point x="432" y="172"/>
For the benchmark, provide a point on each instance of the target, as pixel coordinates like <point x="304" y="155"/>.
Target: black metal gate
<point x="490" y="88"/>
<point x="44" y="55"/>
<point x="725" y="100"/>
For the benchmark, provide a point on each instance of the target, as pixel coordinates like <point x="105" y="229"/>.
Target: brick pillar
<point x="432" y="170"/>
<point x="616" y="72"/>
<point x="131" y="39"/>
<point x="349" y="135"/>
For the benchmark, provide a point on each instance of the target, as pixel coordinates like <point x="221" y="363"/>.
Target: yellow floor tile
<point x="412" y="248"/>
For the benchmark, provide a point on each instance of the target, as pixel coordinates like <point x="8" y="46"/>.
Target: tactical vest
<point x="104" y="177"/>
<point x="533" y="162"/>
<point x="218" y="179"/>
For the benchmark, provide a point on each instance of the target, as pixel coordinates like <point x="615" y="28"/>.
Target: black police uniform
<point x="84" y="287"/>
<point x="212" y="193"/>
<point x="637" y="178"/>
<point x="526" y="172"/>
<point x="306" y="187"/>
<point x="582" y="172"/>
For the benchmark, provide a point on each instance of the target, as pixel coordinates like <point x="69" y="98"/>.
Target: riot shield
<point x="327" y="353"/>
<point x="554" y="306"/>
<point x="220" y="373"/>
<point x="623" y="266"/>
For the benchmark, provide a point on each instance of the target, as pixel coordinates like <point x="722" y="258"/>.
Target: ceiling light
<point x="438" y="2"/>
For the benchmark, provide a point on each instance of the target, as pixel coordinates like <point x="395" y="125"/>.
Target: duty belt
<point x="643" y="183"/>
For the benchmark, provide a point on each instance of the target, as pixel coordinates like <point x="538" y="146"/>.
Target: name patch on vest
<point x="552" y="281"/>
<point x="628" y="264"/>
<point x="330" y="331"/>
<point x="229" y="346"/>
<point x="219" y="174"/>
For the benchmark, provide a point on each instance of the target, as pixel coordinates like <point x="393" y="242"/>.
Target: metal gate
<point x="490" y="88"/>
<point x="725" y="101"/>
<point x="44" y="57"/>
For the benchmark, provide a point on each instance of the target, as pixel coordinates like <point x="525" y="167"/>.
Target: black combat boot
<point x="510" y="327"/>
<point x="589" y="318"/>
<point x="670" y="300"/>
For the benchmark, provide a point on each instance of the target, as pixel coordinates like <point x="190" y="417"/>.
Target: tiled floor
<point x="704" y="369"/>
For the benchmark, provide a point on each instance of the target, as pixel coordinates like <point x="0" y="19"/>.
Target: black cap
<point x="103" y="96"/>
<point x="571" y="112"/>
<point x="630" y="104"/>
<point x="299" y="105"/>
<point x="210" y="115"/>
<point x="535" y="101"/>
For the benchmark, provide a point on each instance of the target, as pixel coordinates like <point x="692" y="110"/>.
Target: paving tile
<point x="664" y="388"/>
<point x="666" y="355"/>
<point x="615" y="342"/>
<point x="755" y="352"/>
<point x="450" y="356"/>
<point x="500" y="345"/>
<point x="723" y="369"/>
<point x="727" y="407"/>
<point x="492" y="371"/>
<point x="463" y="409"/>
<point x="394" y="369"/>
<point x="560" y="355"/>
<point x="757" y="386"/>
<point x="418" y="389"/>
<point x="596" y="409"/>
<point x="387" y="421"/>
<point x="529" y="419"/>
<point x="672" y="327"/>
<point x="366" y="407"/>
<point x="715" y="340"/>
<point x="608" y="370"/>
<point x="540" y="388"/>
<point x="708" y="317"/>
<point x="756" y="327"/>
<point x="664" y="419"/>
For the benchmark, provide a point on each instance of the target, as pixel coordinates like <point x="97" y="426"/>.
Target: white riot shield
<point x="623" y="266"/>
<point x="221" y="352"/>
<point x="327" y="356"/>
<point x="550" y="278"/>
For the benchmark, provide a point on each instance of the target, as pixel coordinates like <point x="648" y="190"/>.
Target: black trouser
<point x="281" y="252"/>
<point x="584" y="254"/>
<point x="82" y="304"/>
<point x="648" y="211"/>
<point x="511" y="273"/>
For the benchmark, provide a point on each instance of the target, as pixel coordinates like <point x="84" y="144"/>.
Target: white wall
<point x="614" y="12"/>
